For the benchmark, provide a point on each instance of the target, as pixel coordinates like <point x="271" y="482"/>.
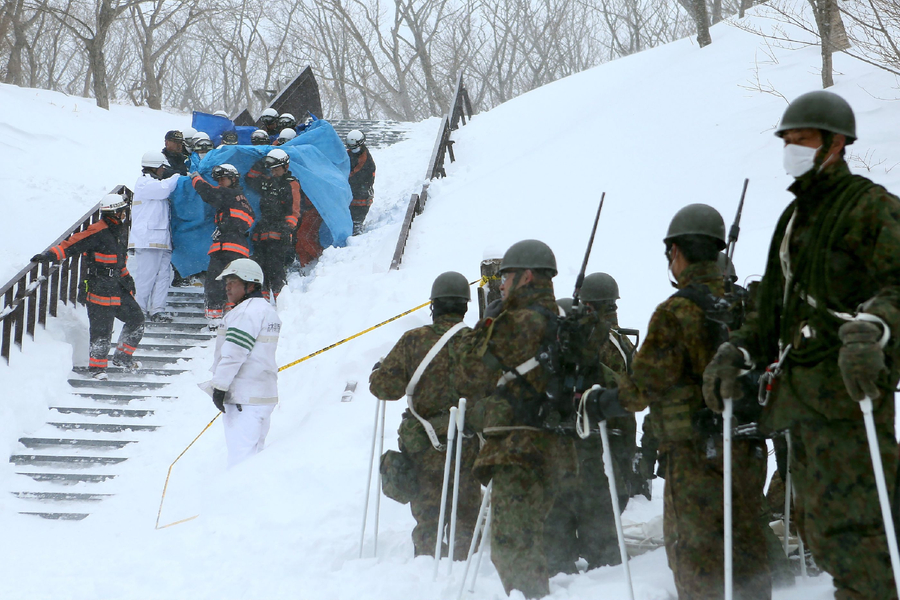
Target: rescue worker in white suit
<point x="151" y="237"/>
<point x="245" y="375"/>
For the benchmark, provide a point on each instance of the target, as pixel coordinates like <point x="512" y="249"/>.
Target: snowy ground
<point x="655" y="131"/>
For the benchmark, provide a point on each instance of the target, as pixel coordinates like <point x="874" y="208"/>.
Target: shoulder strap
<point x="417" y="375"/>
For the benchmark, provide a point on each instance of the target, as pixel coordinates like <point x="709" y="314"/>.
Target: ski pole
<point x="451" y="436"/>
<point x="461" y="423"/>
<point x="614" y="496"/>
<point x="726" y="460"/>
<point x="787" y="497"/>
<point x="485" y="540"/>
<point x="866" y="406"/>
<point x="479" y="523"/>
<point x="362" y="534"/>
<point x="378" y="481"/>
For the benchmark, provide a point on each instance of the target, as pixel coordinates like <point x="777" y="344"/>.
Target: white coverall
<point x="151" y="240"/>
<point x="244" y="366"/>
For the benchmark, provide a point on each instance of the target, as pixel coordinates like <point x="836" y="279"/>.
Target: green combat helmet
<point x="451" y="285"/>
<point x="599" y="287"/>
<point x="565" y="304"/>
<point x="697" y="219"/>
<point x="819" y="110"/>
<point x="529" y="254"/>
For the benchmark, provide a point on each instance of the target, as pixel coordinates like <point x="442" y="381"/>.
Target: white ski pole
<point x="788" y="489"/>
<point x="485" y="540"/>
<point x="726" y="464"/>
<point x="614" y="496"/>
<point x="460" y="425"/>
<point x="479" y="523"/>
<point x="451" y="436"/>
<point x="362" y="533"/>
<point x="378" y="484"/>
<point x="866" y="406"/>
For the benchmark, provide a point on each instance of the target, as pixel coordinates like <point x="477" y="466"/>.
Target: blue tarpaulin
<point x="318" y="160"/>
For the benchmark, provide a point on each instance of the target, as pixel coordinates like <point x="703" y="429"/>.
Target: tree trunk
<point x="97" y="62"/>
<point x="14" y="72"/>
<point x="717" y="11"/>
<point x="832" y="35"/>
<point x="698" y="12"/>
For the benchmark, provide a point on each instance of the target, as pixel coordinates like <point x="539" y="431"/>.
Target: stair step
<point x="150" y="361"/>
<point x="173" y="348"/>
<point x="61" y="496"/>
<point x="185" y="326"/>
<point x="35" y="443"/>
<point x="66" y="462"/>
<point x="120" y="383"/>
<point x="103" y="427"/>
<point x="105" y="412"/>
<point x="68" y="478"/>
<point x="186" y="291"/>
<point x="177" y="335"/>
<point x="138" y="373"/>
<point x="179" y="303"/>
<point x="120" y="398"/>
<point x="59" y="516"/>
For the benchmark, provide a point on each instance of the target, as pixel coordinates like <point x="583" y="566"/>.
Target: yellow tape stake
<point x="169" y="473"/>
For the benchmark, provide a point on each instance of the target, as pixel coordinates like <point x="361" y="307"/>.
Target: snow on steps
<point x="87" y="444"/>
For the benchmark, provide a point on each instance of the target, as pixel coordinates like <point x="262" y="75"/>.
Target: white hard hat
<point x="355" y="139"/>
<point x="287" y="134"/>
<point x="221" y="113"/>
<point x="113" y="203"/>
<point x="269" y="112"/>
<point x="277" y="158"/>
<point x="189" y="133"/>
<point x="244" y="269"/>
<point x="225" y="170"/>
<point x="201" y="135"/>
<point x="153" y="159"/>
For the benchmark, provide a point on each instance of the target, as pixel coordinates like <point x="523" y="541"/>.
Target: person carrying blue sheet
<point x="279" y="208"/>
<point x="234" y="217"/>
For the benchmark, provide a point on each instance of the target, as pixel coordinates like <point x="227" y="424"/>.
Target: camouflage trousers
<point x="426" y="504"/>
<point x="693" y="521"/>
<point x="520" y="501"/>
<point x="837" y="506"/>
<point x="581" y="522"/>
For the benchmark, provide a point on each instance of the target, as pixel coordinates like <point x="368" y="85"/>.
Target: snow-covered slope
<point x="655" y="131"/>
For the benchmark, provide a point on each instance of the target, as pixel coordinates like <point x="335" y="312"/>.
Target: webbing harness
<point x="417" y="375"/>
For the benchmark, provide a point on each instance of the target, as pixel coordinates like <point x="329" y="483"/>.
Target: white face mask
<point x="798" y="160"/>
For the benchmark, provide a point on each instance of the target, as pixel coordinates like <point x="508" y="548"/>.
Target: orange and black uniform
<point x="234" y="217"/>
<point x="279" y="208"/>
<point x="362" y="178"/>
<point x="109" y="289"/>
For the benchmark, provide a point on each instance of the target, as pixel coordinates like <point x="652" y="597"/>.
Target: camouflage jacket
<point x="498" y="345"/>
<point x="667" y="371"/>
<point x="436" y="391"/>
<point x="844" y="251"/>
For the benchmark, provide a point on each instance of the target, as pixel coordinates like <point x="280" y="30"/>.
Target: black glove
<point x="603" y="403"/>
<point x="43" y="257"/>
<point x="193" y="174"/>
<point x="128" y="284"/>
<point x="219" y="399"/>
<point x="493" y="310"/>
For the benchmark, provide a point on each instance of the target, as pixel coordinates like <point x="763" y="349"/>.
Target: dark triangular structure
<point x="245" y="118"/>
<point x="299" y="97"/>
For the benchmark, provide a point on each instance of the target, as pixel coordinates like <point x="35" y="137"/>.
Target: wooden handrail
<point x="460" y="111"/>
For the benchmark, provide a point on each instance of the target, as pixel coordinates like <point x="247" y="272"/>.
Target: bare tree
<point x="698" y="12"/>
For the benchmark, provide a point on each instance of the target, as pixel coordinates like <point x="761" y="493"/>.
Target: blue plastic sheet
<point x="318" y="160"/>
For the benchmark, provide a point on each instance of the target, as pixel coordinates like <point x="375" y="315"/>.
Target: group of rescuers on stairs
<point x="111" y="292"/>
<point x="823" y="318"/>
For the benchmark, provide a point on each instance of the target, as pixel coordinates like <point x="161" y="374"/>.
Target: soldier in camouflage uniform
<point x="522" y="458"/>
<point x="667" y="375"/>
<point x="581" y="523"/>
<point x="433" y="396"/>
<point x="838" y="244"/>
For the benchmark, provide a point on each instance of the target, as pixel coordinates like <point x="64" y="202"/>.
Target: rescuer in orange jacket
<point x="362" y="178"/>
<point x="279" y="208"/>
<point x="234" y="217"/>
<point x="109" y="289"/>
